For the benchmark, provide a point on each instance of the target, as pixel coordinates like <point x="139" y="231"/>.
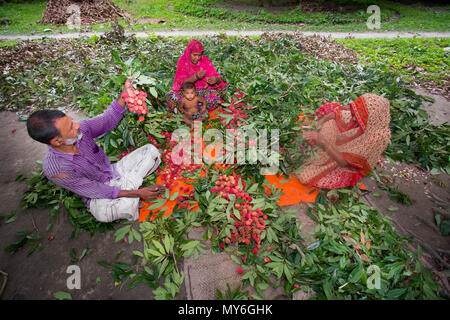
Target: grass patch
<point x="8" y="43"/>
<point x="413" y="17"/>
<point x="24" y="17"/>
<point x="212" y="8"/>
<point x="415" y="59"/>
<point x="207" y="15"/>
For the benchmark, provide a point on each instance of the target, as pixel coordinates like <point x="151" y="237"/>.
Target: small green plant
<point x="75" y="259"/>
<point x="27" y="238"/>
<point x="236" y="294"/>
<point x="396" y="194"/>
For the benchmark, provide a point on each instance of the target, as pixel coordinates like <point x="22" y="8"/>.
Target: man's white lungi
<point x="133" y="168"/>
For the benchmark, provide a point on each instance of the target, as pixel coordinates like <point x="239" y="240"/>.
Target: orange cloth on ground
<point x="293" y="191"/>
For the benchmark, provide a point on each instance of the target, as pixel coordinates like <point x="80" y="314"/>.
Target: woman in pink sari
<point x="194" y="67"/>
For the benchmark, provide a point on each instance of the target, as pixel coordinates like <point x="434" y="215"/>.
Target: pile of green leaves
<point x="335" y="264"/>
<point x="164" y="245"/>
<point x="280" y="82"/>
<point x="278" y="78"/>
<point x="337" y="271"/>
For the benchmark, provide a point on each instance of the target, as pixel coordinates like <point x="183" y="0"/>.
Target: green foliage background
<point x="280" y="82"/>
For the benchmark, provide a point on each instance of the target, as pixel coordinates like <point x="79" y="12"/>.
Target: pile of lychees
<point x="251" y="223"/>
<point x="238" y="110"/>
<point x="173" y="171"/>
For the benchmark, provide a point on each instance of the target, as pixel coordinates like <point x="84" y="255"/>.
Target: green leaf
<point x="153" y="92"/>
<point x="313" y="245"/>
<point x="235" y="259"/>
<point x="437" y="218"/>
<point x="104" y="264"/>
<point x="174" y="196"/>
<point x="138" y="253"/>
<point x="288" y="273"/>
<point x="445" y="227"/>
<point x="191" y="244"/>
<point x="158" y="204"/>
<point x="61" y="295"/>
<point x="253" y="188"/>
<point x="137" y="235"/>
<point x="136" y="281"/>
<point x="395" y="293"/>
<point x="327" y="290"/>
<point x="12" y="219"/>
<point x="435" y="171"/>
<point x="159" y="246"/>
<point x="154" y="252"/>
<point x="355" y="275"/>
<point x="84" y="253"/>
<point x="167" y="244"/>
<point x="20" y="177"/>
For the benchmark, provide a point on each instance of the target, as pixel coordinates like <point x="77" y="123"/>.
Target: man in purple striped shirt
<point x="75" y="162"/>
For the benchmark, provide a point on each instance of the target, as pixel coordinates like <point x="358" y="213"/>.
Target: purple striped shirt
<point x="90" y="171"/>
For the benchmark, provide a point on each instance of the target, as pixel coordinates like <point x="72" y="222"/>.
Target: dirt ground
<point x="43" y="273"/>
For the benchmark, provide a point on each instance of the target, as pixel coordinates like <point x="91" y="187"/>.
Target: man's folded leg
<point x="138" y="164"/>
<point x="107" y="210"/>
<point x="133" y="168"/>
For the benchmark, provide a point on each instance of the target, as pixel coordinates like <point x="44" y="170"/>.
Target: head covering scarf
<point x="361" y="133"/>
<point x="186" y="69"/>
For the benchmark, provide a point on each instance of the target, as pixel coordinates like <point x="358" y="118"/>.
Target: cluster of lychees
<point x="136" y="102"/>
<point x="326" y="108"/>
<point x="173" y="171"/>
<point x="183" y="201"/>
<point x="238" y="110"/>
<point x="153" y="141"/>
<point x="123" y="154"/>
<point x="238" y="141"/>
<point x="251" y="223"/>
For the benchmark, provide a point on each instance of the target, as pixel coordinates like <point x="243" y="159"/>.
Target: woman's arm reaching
<point x="333" y="153"/>
<point x="328" y="117"/>
<point x="326" y="146"/>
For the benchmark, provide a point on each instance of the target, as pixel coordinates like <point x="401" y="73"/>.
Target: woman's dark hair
<point x="188" y="85"/>
<point x="41" y="127"/>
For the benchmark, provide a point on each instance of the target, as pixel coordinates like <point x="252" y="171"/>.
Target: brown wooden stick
<point x="34" y="223"/>
<point x="432" y="226"/>
<point x="434" y="254"/>
<point x="442" y="212"/>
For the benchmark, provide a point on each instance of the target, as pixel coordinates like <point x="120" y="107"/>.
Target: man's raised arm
<point x="110" y="117"/>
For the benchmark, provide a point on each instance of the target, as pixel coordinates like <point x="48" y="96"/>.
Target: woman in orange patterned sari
<point x="351" y="140"/>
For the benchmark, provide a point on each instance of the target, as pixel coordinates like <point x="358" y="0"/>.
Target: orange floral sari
<point x="361" y="133"/>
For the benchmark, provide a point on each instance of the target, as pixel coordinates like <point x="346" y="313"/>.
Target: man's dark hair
<point x="41" y="126"/>
<point x="188" y="85"/>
